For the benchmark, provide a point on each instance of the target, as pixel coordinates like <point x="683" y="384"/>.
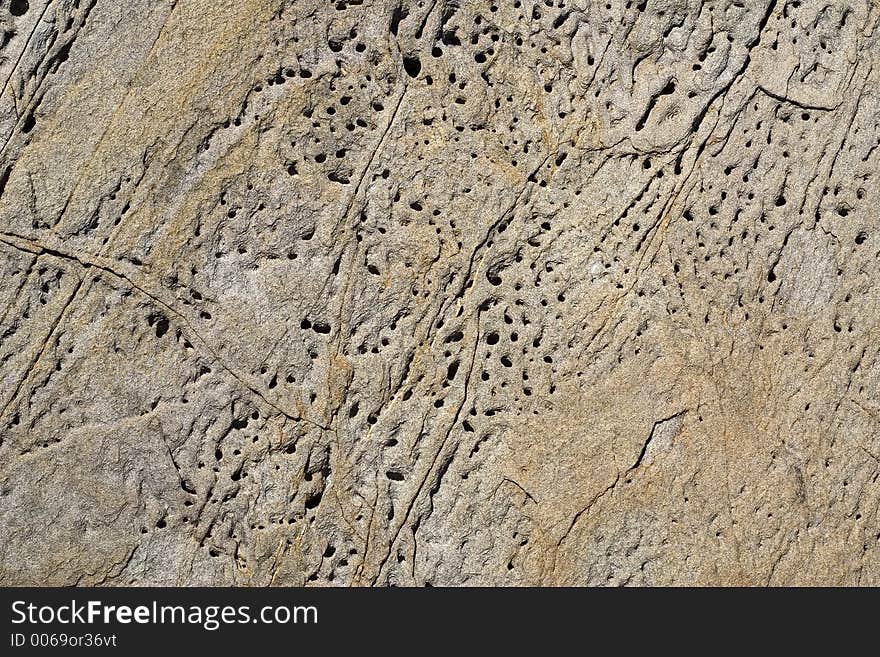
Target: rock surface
<point x="438" y="292"/>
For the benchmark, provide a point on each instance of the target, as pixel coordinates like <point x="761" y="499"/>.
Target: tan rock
<point x="448" y="293"/>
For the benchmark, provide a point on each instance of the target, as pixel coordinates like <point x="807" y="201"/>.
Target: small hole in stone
<point x="412" y="66"/>
<point x="19" y="7"/>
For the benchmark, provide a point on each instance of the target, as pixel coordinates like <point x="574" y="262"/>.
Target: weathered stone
<point x="439" y="292"/>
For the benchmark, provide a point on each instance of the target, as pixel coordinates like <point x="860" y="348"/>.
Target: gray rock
<point x="439" y="292"/>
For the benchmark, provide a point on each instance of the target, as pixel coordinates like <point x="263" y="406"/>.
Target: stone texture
<point x="442" y="292"/>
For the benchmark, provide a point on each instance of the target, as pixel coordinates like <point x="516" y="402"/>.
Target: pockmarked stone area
<point x="439" y="292"/>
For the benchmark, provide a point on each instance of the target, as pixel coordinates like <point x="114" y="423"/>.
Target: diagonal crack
<point x="655" y="430"/>
<point x="110" y="267"/>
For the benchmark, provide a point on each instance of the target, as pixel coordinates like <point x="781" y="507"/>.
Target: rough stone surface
<point x="438" y="292"/>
